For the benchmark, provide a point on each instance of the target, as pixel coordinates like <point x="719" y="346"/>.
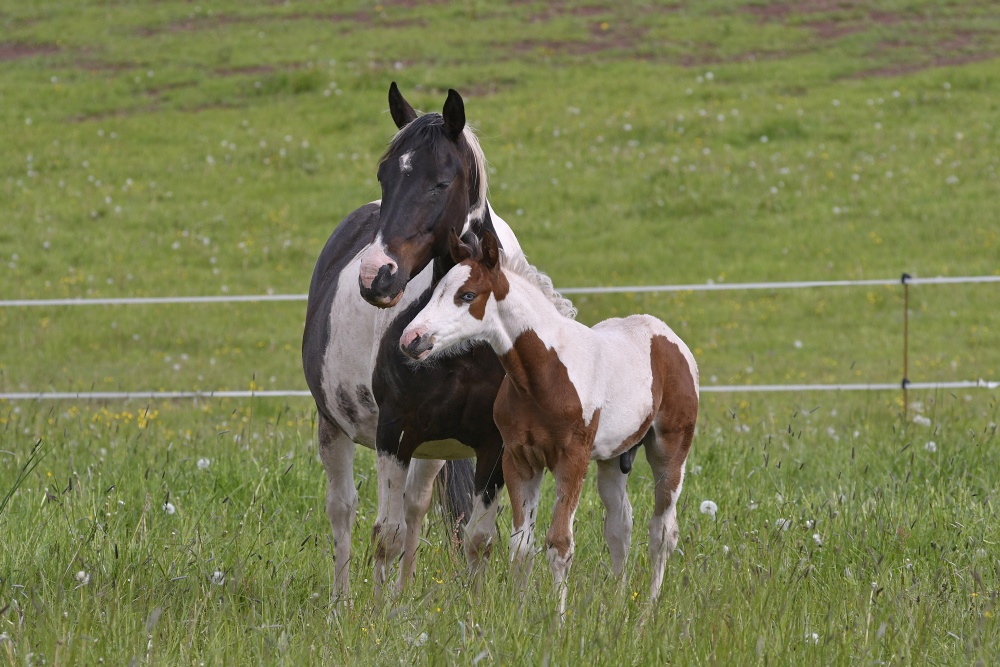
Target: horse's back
<point x="340" y="330"/>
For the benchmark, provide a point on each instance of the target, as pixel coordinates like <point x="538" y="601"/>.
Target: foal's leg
<point x="666" y="457"/>
<point x="416" y="500"/>
<point x="569" y="474"/>
<point x="336" y="451"/>
<point x="524" y="488"/>
<point x="618" y="513"/>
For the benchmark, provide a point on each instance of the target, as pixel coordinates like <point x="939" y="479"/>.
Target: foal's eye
<point x="468" y="297"/>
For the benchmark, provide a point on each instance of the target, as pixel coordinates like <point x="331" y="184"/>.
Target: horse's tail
<point x="455" y="490"/>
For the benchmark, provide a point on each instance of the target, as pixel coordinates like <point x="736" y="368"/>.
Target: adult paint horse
<point x="388" y="253"/>
<point x="572" y="394"/>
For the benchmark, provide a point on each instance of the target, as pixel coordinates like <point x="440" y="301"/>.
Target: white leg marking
<point x="390" y="525"/>
<point x="611" y="483"/>
<point x="664" y="533"/>
<point x="522" y="539"/>
<point x="336" y="452"/>
<point x="559" y="564"/>
<point x="416" y="500"/>
<point x="481" y="533"/>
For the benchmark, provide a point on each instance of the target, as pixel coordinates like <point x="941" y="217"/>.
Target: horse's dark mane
<point x="427" y="130"/>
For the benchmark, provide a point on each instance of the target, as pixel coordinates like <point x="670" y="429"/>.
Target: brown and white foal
<point x="572" y="394"/>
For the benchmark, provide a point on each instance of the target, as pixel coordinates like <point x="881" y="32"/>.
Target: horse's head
<point x="463" y="307"/>
<point x="433" y="182"/>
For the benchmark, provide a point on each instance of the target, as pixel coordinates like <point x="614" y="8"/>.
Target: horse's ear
<point x="491" y="250"/>
<point x="459" y="251"/>
<point x="454" y="115"/>
<point x="402" y="113"/>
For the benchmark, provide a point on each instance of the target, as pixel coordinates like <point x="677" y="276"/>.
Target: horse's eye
<point x="468" y="297"/>
<point x="442" y="185"/>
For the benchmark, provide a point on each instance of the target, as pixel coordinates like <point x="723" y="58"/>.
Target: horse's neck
<point x="509" y="242"/>
<point x="534" y="335"/>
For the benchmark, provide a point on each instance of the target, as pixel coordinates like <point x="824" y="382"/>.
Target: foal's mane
<point x="428" y="128"/>
<point x="519" y="265"/>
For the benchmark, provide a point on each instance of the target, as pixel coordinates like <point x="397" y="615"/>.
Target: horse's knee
<point x="388" y="541"/>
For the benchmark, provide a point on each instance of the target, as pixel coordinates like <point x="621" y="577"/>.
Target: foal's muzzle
<point x="416" y="346"/>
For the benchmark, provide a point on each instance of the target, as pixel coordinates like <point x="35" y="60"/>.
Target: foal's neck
<point x="532" y="334"/>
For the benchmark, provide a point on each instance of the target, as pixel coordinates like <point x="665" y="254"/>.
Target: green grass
<point x="180" y="148"/>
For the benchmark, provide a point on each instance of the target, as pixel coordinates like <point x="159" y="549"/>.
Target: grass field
<point x="176" y="148"/>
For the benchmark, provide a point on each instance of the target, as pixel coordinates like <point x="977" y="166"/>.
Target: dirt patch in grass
<point x="17" y="51"/>
<point x="240" y="71"/>
<point x="909" y="68"/>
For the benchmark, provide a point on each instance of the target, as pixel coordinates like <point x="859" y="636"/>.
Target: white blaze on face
<point x="441" y="318"/>
<point x="406" y="163"/>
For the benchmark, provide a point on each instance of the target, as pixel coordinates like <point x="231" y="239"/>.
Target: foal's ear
<point x="459" y="251"/>
<point x="402" y="112"/>
<point x="491" y="250"/>
<point x="454" y="115"/>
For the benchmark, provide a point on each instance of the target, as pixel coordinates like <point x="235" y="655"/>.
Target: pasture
<point x="176" y="148"/>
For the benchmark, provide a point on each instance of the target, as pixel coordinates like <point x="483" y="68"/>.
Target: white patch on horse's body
<point x="406" y="162"/>
<point x="351" y="320"/>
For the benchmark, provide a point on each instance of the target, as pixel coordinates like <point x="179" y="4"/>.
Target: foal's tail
<point x="455" y="490"/>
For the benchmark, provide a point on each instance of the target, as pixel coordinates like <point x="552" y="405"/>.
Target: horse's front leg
<point x="559" y="545"/>
<point x="524" y="483"/>
<point x="416" y="501"/>
<point x="390" y="525"/>
<point x="336" y="452"/>
<point x="481" y="529"/>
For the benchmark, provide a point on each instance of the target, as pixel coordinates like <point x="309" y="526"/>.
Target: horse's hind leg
<point x="416" y="501"/>
<point x="336" y="451"/>
<point x="666" y="456"/>
<point x="611" y="483"/>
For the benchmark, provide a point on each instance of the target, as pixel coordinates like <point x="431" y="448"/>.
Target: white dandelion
<point x="931" y="446"/>
<point x="169" y="508"/>
<point x="83" y="578"/>
<point x="203" y="463"/>
<point x="710" y="508"/>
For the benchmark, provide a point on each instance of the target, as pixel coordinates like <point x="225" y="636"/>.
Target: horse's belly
<point x="444" y="449"/>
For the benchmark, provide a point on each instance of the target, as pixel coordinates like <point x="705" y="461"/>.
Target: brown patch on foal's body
<point x="540" y="415"/>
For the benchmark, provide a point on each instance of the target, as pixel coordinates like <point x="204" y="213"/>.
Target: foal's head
<point x="463" y="307"/>
<point x="433" y="181"/>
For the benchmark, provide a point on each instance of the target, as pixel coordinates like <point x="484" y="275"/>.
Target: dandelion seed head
<point x="169" y="508"/>
<point x="710" y="508"/>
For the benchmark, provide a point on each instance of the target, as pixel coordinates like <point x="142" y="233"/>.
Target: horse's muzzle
<point x="416" y="346"/>
<point x="386" y="288"/>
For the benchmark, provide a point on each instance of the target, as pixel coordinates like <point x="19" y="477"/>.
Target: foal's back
<point x="646" y="374"/>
